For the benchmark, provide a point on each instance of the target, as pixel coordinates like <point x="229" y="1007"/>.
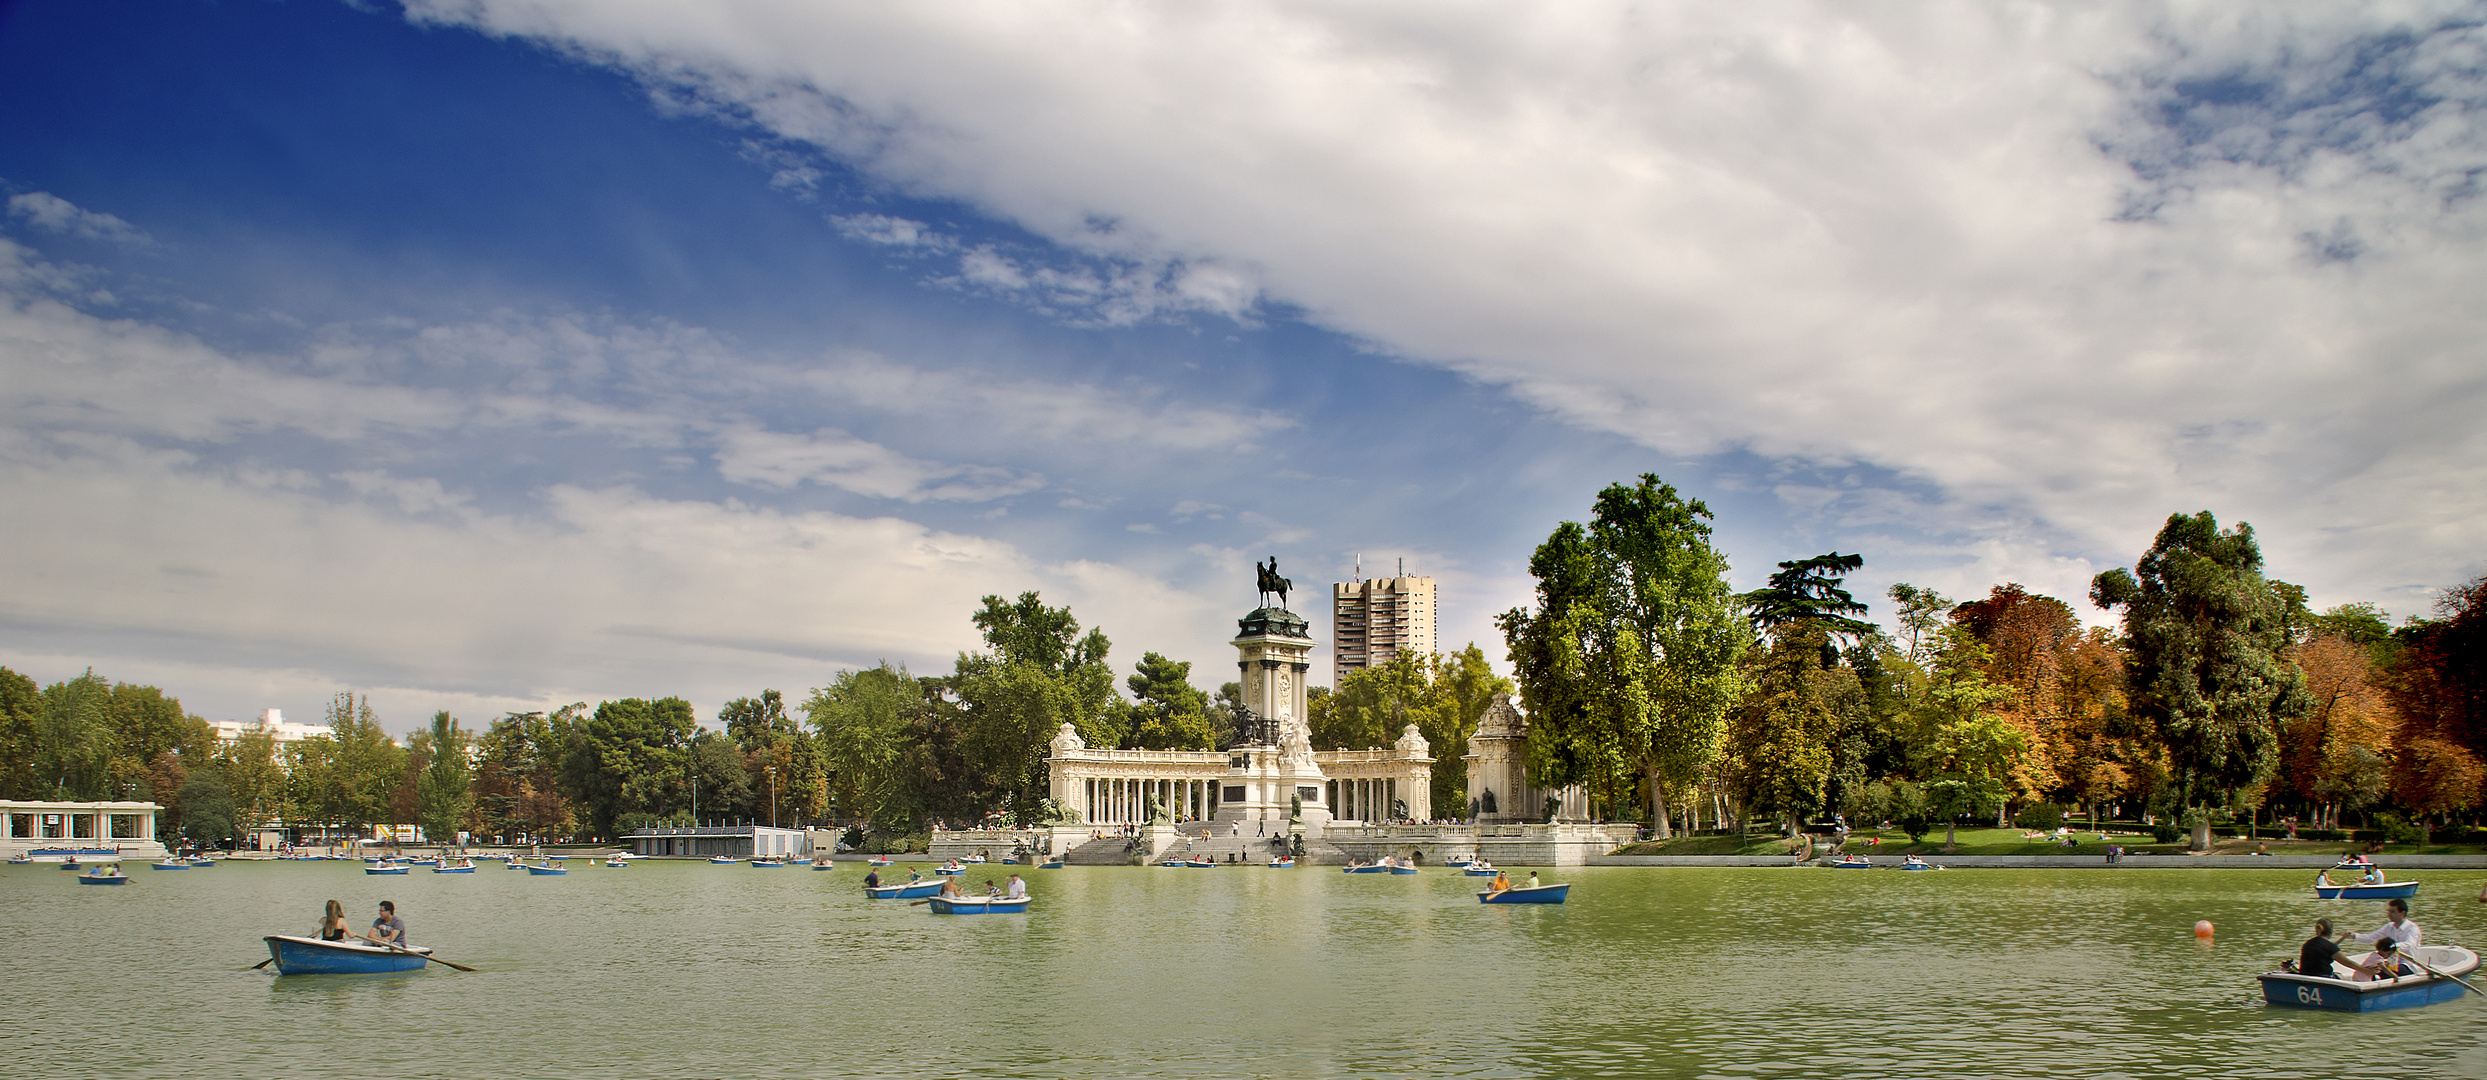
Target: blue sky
<point x="487" y="355"/>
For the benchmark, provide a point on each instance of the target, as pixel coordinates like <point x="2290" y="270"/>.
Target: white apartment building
<point x="271" y="721"/>
<point x="1378" y="618"/>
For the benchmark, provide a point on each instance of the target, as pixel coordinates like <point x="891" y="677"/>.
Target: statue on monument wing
<point x="1271" y="583"/>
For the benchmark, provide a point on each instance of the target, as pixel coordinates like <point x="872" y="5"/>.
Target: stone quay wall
<point x="1560" y="844"/>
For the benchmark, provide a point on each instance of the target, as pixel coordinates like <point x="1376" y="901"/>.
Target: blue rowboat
<point x="1376" y="868"/>
<point x="766" y="864"/>
<point x="1458" y="864"/>
<point x="545" y="870"/>
<point x="1480" y="871"/>
<point x="978" y="905"/>
<point x="877" y="860"/>
<point x="114" y="878"/>
<point x="1201" y="864"/>
<point x="311" y="956"/>
<point x="176" y="864"/>
<point x="1847" y="864"/>
<point x="617" y="864"/>
<point x="515" y="865"/>
<point x="1171" y="863"/>
<point x="202" y="864"/>
<point x="1282" y="864"/>
<point x="374" y="858"/>
<point x="1010" y="861"/>
<point x="2389" y="890"/>
<point x="1053" y="864"/>
<point x="1918" y="864"/>
<point x="723" y="860"/>
<point x="73" y="854"/>
<point x="387" y="868"/>
<point x="910" y="891"/>
<point x="823" y="864"/>
<point x="2407" y="992"/>
<point x="954" y="872"/>
<point x="1403" y="869"/>
<point x="1542" y="894"/>
<point x="453" y="869"/>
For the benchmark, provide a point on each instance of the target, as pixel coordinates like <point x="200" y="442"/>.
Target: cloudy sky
<point x="497" y="354"/>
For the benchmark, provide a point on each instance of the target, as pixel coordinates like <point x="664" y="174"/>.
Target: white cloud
<point x="837" y="459"/>
<point x="51" y="213"/>
<point x="2070" y="267"/>
<point x="1040" y="411"/>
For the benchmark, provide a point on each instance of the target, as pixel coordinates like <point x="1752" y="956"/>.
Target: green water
<point x="692" y="970"/>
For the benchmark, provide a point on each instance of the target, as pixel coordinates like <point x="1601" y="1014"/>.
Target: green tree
<point x="629" y="757"/>
<point x="1967" y="751"/>
<point x="2206" y="631"/>
<point x="1808" y="591"/>
<point x="21" y="700"/>
<point x="722" y="788"/>
<point x="891" y="741"/>
<point x="1041" y="673"/>
<point x="1629" y="663"/>
<point x="73" y="739"/>
<point x="253" y="776"/>
<point x="1781" y="735"/>
<point x="207" y="809"/>
<point x="1166" y="711"/>
<point x="443" y="795"/>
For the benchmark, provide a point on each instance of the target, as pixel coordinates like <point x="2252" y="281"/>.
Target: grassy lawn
<point x="1975" y="841"/>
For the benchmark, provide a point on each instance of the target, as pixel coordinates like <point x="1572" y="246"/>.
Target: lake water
<point x="693" y="970"/>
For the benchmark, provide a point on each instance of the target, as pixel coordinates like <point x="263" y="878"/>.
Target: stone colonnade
<point x="1124" y="800"/>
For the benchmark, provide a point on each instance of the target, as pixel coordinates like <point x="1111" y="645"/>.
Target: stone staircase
<point x="1109" y="851"/>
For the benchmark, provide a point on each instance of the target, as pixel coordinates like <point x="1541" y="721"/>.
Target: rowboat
<point x="546" y="869"/>
<point x="21" y="859"/>
<point x="723" y="860"/>
<point x="949" y="871"/>
<point x="2389" y="890"/>
<point x="1171" y="863"/>
<point x="1050" y="864"/>
<point x="798" y="862"/>
<point x="1524" y="894"/>
<point x="453" y="869"/>
<point x="72" y="854"/>
<point x="2407" y="992"/>
<point x="823" y="864"/>
<point x="973" y="859"/>
<point x="1376" y="868"/>
<point x="515" y="865"/>
<point x="387" y="868"/>
<point x="170" y="864"/>
<point x="1457" y="864"/>
<point x="1282" y="864"/>
<point x="202" y="864"/>
<point x="103" y="875"/>
<point x="424" y="862"/>
<point x="1851" y="864"/>
<point x="908" y="891"/>
<point x="1403" y="869"/>
<point x="616" y="863"/>
<point x="1201" y="864"/>
<point x="1009" y="860"/>
<point x="767" y="864"/>
<point x="1480" y="870"/>
<point x="311" y="956"/>
<point x="979" y="905"/>
<point x="1915" y="863"/>
<point x="877" y="860"/>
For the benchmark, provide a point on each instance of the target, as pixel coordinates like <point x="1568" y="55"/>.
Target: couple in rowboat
<point x="1502" y="882"/>
<point x="388" y="929"/>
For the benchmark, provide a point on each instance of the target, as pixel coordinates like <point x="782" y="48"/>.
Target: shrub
<point x="2044" y="817"/>
<point x="2167" y="832"/>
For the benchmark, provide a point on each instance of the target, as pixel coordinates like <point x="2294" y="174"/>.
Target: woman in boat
<point x="950" y="887"/>
<point x="332" y="925"/>
<point x="2316" y="956"/>
<point x="1501" y="883"/>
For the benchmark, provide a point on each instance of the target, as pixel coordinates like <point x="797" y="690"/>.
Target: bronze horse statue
<point x="1272" y="583"/>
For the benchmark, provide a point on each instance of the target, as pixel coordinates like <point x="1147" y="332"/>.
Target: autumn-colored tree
<point x="2332" y="757"/>
<point x="2434" y="777"/>
<point x="2440" y="683"/>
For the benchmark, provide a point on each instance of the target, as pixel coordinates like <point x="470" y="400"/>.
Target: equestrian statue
<point x="1272" y="583"/>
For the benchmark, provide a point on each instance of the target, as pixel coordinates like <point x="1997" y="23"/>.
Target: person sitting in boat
<point x="914" y="876"/>
<point x="1913" y="862"/>
<point x="2323" y="880"/>
<point x="2388" y="962"/>
<point x="991" y="889"/>
<point x="1018" y="888"/>
<point x="2374" y="875"/>
<point x="2319" y="952"/>
<point x="1532" y="879"/>
<point x="950" y="887"/>
<point x="388" y="929"/>
<point x="1501" y="883"/>
<point x="872" y="880"/>
<point x="2397" y="928"/>
<point x="332" y="925"/>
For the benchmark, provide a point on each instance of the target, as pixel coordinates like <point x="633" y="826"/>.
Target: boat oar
<point x="2412" y="957"/>
<point x="430" y="957"/>
<point x="261" y="964"/>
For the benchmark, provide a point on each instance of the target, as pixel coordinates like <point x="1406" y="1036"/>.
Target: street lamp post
<point x="772" y="770"/>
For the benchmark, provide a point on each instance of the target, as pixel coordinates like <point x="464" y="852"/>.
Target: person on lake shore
<point x="332" y="925"/>
<point x="388" y="929"/>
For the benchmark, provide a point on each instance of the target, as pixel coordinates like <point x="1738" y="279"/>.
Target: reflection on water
<point x="672" y="969"/>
